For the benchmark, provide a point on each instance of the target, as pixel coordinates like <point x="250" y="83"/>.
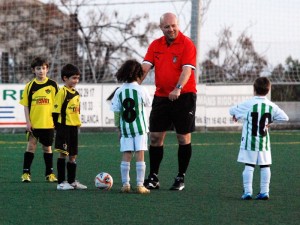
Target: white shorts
<point x="136" y="143"/>
<point x="255" y="157"/>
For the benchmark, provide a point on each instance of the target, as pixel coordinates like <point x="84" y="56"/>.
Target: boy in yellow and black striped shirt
<point x="66" y="113"/>
<point x="37" y="99"/>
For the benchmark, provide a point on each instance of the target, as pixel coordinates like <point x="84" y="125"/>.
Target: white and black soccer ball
<point x="104" y="181"/>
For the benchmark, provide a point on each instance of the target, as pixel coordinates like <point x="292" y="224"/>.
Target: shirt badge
<point x="174" y="59"/>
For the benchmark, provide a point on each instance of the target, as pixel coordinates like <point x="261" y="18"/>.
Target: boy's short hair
<point x="39" y="61"/>
<point x="69" y="70"/>
<point x="262" y="86"/>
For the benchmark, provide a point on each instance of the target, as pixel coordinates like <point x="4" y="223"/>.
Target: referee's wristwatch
<point x="179" y="86"/>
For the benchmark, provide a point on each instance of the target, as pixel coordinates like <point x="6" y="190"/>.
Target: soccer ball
<point x="104" y="181"/>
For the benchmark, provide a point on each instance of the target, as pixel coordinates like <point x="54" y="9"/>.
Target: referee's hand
<point x="174" y="95"/>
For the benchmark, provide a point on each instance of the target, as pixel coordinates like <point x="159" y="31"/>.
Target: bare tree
<point x="31" y="28"/>
<point x="232" y="61"/>
<point x="286" y="79"/>
<point x="109" y="40"/>
<point x="98" y="46"/>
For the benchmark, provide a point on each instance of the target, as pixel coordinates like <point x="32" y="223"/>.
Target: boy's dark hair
<point x="130" y="71"/>
<point x="69" y="70"/>
<point x="262" y="86"/>
<point x="39" y="61"/>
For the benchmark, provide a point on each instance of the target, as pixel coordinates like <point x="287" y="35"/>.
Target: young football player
<point x="130" y="117"/>
<point x="37" y="99"/>
<point x="255" y="149"/>
<point x="66" y="112"/>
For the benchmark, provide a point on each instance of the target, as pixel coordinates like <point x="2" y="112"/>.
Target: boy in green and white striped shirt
<point x="255" y="149"/>
<point x="130" y="116"/>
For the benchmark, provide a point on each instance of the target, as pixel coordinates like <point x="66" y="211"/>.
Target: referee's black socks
<point x="184" y="156"/>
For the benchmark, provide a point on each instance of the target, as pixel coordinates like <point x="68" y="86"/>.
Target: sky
<point x="272" y="24"/>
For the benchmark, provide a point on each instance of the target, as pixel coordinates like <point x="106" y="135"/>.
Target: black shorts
<point x="179" y="114"/>
<point x="66" y="140"/>
<point x="44" y="136"/>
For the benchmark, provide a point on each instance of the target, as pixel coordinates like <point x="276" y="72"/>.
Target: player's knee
<point x="72" y="159"/>
<point x="47" y="149"/>
<point x="184" y="139"/>
<point x="156" y="139"/>
<point x="31" y="147"/>
<point x="127" y="156"/>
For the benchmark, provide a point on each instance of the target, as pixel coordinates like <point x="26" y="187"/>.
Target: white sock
<point x="265" y="177"/>
<point x="248" y="179"/>
<point x="125" y="168"/>
<point x="140" y="173"/>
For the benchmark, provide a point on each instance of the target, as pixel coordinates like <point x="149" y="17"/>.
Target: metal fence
<point x="239" y="40"/>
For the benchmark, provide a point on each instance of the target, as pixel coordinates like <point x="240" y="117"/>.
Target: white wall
<point x="212" y="104"/>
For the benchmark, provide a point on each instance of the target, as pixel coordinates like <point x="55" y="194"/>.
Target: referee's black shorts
<point x="179" y="114"/>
